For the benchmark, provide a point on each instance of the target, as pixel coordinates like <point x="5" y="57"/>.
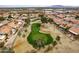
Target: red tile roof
<point x="74" y="30"/>
<point x="6" y="29"/>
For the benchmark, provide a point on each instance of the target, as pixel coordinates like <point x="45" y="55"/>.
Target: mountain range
<point x="61" y="6"/>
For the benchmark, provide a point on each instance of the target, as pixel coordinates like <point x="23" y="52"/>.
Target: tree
<point x="40" y="15"/>
<point x="50" y="20"/>
<point x="58" y="38"/>
<point x="67" y="28"/>
<point x="25" y="30"/>
<point x="77" y="17"/>
<point x="27" y="21"/>
<point x="43" y="18"/>
<point x="10" y="16"/>
<point x="19" y="33"/>
<point x="7" y="50"/>
<point x="2" y="18"/>
<point x="48" y="48"/>
<point x="39" y="43"/>
<point x="1" y="44"/>
<point x="24" y="35"/>
<point x="54" y="43"/>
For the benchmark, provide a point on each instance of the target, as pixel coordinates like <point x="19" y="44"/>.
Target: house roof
<point x="5" y="29"/>
<point x="57" y="20"/>
<point x="74" y="30"/>
<point x="75" y="21"/>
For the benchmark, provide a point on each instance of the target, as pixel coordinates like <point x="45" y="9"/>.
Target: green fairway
<point x="36" y="35"/>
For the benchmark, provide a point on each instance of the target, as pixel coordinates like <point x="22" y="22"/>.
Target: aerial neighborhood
<point x="26" y="30"/>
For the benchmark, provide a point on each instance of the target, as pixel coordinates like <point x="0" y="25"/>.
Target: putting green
<point x="35" y="35"/>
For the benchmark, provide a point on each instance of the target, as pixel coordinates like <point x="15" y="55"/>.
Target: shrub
<point x="2" y="18"/>
<point x="54" y="43"/>
<point x="23" y="35"/>
<point x="19" y="33"/>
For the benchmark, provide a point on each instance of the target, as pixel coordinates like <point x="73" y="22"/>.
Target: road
<point x="11" y="40"/>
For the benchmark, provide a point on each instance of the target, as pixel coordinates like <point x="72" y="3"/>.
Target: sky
<point x="40" y="2"/>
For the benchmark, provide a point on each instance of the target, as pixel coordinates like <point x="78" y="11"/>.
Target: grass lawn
<point x="35" y="35"/>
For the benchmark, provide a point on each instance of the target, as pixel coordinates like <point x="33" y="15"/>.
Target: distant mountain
<point x="57" y="6"/>
<point x="61" y="6"/>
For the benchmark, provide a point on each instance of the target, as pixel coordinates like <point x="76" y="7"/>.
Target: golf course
<point x="38" y="39"/>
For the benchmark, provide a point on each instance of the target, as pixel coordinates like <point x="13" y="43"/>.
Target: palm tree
<point x="39" y="43"/>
